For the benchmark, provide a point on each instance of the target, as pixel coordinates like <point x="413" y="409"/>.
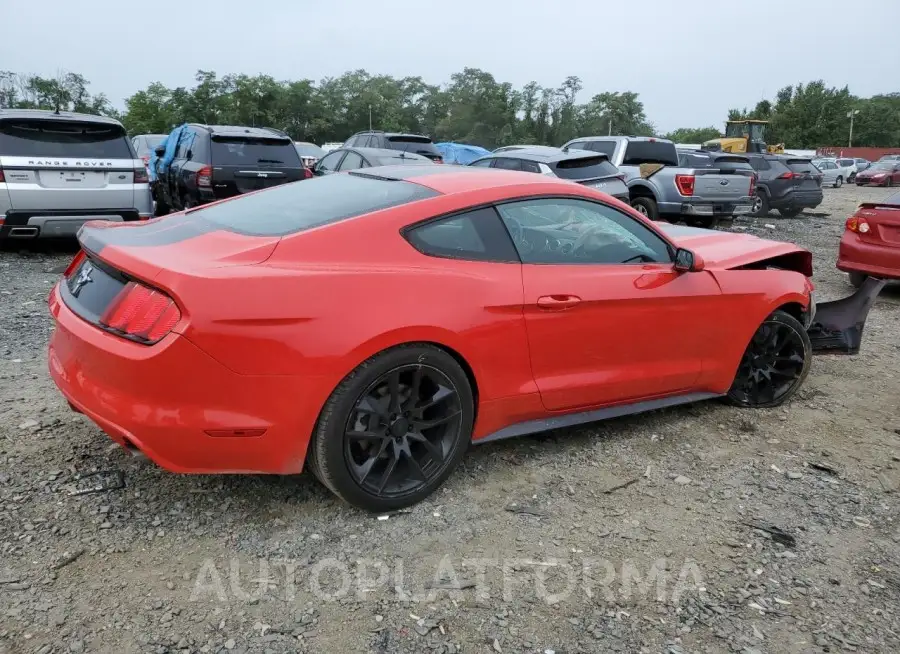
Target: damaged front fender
<point x="837" y="326"/>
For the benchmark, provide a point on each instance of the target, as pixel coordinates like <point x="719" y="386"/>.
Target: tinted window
<point x="302" y="205"/>
<point x="691" y="160"/>
<point x="566" y="231"/>
<point x="50" y="138"/>
<point x="846" y="162"/>
<point x="506" y="163"/>
<point x="478" y="235"/>
<point x="758" y="163"/>
<point x="731" y="163"/>
<point x="586" y="168"/>
<point x="253" y="152"/>
<point x="309" y="150"/>
<point x="802" y="166"/>
<point x="417" y="144"/>
<point x="351" y="162"/>
<point x="483" y="163"/>
<point x="603" y="147"/>
<point x="639" y="152"/>
<point x="330" y="161"/>
<point x="529" y="166"/>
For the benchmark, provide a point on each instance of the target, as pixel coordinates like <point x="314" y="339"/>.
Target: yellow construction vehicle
<point x="744" y="136"/>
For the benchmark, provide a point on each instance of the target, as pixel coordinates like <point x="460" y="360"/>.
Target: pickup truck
<point x="659" y="187"/>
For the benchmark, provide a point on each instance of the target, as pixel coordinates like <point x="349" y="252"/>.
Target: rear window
<point x="690" y="160"/>
<point x="731" y="163"/>
<point x="640" y="152"/>
<point x="309" y="150"/>
<point x="802" y="166"/>
<point x="845" y="162"/>
<point x="50" y="138"/>
<point x="586" y="168"/>
<point x="252" y="152"/>
<point x="310" y="203"/>
<point x="416" y="144"/>
<point x="154" y="140"/>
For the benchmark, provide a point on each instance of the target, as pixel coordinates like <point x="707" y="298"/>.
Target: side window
<point x="330" y="162"/>
<point x="569" y="231"/>
<point x="507" y="164"/>
<point x="759" y="163"/>
<point x="606" y="147"/>
<point x="351" y="162"/>
<point x="482" y="163"/>
<point x="578" y="145"/>
<point x="476" y="235"/>
<point x="529" y="166"/>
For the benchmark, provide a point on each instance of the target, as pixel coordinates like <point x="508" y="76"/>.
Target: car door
<point x="608" y="317"/>
<point x="329" y="163"/>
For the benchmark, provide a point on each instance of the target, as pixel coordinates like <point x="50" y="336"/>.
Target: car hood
<point x="725" y="250"/>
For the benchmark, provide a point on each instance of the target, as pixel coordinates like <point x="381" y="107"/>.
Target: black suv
<point x="414" y="143"/>
<point x="788" y="184"/>
<point x="212" y="162"/>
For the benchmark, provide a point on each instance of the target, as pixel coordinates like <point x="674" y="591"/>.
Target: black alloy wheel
<point x="774" y="365"/>
<point x="394" y="429"/>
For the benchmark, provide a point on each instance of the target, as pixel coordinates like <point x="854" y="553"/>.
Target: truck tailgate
<point x="717" y="186"/>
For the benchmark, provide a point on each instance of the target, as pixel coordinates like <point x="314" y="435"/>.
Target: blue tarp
<point x="460" y="153"/>
<point x="181" y="134"/>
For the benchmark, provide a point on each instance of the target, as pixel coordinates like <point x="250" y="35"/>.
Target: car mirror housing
<point x="687" y="261"/>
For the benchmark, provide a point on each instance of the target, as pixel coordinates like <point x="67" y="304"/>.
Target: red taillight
<point x="141" y="176"/>
<point x="788" y="175"/>
<point x="439" y="160"/>
<point x="142" y="312"/>
<point x="685" y="184"/>
<point x="307" y="173"/>
<point x="146" y="159"/>
<point x="857" y="224"/>
<point x="204" y="176"/>
<point x="2" y="179"/>
<point x="752" y="184"/>
<point x="76" y="261"/>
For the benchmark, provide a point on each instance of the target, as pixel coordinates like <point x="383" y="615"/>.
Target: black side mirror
<point x="160" y="151"/>
<point x="687" y="261"/>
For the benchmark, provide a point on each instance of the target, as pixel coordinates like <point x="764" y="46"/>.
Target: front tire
<point x="775" y="363"/>
<point x="760" y="205"/>
<point x="839" y="182"/>
<point x="394" y="429"/>
<point x="646" y="206"/>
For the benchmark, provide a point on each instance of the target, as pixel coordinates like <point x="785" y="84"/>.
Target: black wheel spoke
<point x="428" y="424"/>
<point x="441" y="394"/>
<point x="366" y="468"/>
<point x="436" y="455"/>
<point x="415" y="389"/>
<point x="386" y="475"/>
<point x="394" y="391"/>
<point x="367" y="435"/>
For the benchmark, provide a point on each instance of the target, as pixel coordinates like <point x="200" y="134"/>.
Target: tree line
<point x="473" y="107"/>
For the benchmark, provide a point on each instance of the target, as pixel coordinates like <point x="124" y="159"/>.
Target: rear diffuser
<point x="837" y="327"/>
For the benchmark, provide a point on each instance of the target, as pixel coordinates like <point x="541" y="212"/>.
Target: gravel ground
<point x="627" y="536"/>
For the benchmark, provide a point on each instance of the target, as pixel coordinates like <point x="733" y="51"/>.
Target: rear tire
<point x="789" y="213"/>
<point x="857" y="279"/>
<point x="646" y="206"/>
<point x="760" y="205"/>
<point x="839" y="182"/>
<point x="394" y="429"/>
<point x="775" y="363"/>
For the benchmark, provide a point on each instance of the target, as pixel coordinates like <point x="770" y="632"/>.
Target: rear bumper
<point x="176" y="404"/>
<point x="60" y="223"/>
<point x="868" y="181"/>
<point x="798" y="200"/>
<point x="837" y="327"/>
<point x="701" y="207"/>
<point x="855" y="255"/>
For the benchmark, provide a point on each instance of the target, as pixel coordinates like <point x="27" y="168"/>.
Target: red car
<point x="880" y="173"/>
<point x="374" y="323"/>
<point x="870" y="245"/>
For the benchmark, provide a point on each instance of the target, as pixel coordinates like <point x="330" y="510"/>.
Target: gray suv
<point x="60" y="169"/>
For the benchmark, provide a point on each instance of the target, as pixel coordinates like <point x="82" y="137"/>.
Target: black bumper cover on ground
<point x="837" y="327"/>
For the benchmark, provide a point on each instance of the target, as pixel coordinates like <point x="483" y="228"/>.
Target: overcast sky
<point x="690" y="61"/>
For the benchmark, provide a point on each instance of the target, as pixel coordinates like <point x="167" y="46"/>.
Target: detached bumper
<point x="837" y="327"/>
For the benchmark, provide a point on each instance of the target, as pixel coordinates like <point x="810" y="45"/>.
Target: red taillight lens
<point x="788" y="175"/>
<point x="2" y="179"/>
<point x="204" y="176"/>
<point x="685" y="184"/>
<point x="76" y="261"/>
<point x="857" y="224"/>
<point x="439" y="160"/>
<point x="307" y="173"/>
<point x="142" y="312"/>
<point x="141" y="176"/>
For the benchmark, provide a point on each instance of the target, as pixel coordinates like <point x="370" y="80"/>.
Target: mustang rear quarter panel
<point x="749" y="296"/>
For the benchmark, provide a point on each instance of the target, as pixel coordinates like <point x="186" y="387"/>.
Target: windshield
<point x="311" y="203"/>
<point x="51" y="138"/>
<point x="650" y="151"/>
<point x="309" y="150"/>
<point x="883" y="165"/>
<point x="253" y="152"/>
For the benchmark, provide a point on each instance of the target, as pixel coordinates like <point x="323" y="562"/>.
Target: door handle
<point x="557" y="302"/>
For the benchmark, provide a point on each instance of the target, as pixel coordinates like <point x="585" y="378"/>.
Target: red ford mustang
<point x="374" y="323"/>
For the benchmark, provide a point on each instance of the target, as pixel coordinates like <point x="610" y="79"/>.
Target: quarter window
<point x="351" y="162"/>
<point x="476" y="235"/>
<point x="569" y="231"/>
<point x="329" y="163"/>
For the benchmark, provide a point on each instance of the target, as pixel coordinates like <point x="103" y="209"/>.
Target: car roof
<point x="545" y="154"/>
<point x="451" y="178"/>
<point x="240" y="130"/>
<point x="46" y="114"/>
<point x="385" y="152"/>
<point x="619" y="138"/>
<point x="711" y="153"/>
<point x="389" y="134"/>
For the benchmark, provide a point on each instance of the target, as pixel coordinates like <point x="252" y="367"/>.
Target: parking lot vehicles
<point x="660" y="188"/>
<point x="203" y="163"/>
<point x="870" y="245"/>
<point x="584" y="167"/>
<point x="881" y="173"/>
<point x="831" y="173"/>
<point x="298" y="327"/>
<point x="59" y="169"/>
<point x="786" y="184"/>
<point x="309" y="153"/>
<point x="414" y="143"/>
<point x="344" y="159"/>
<point x="145" y="144"/>
<point x="744" y="136"/>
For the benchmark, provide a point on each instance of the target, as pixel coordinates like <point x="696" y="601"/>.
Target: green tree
<point x="694" y="134"/>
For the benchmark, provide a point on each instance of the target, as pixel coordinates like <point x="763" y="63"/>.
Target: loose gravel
<point x="696" y="529"/>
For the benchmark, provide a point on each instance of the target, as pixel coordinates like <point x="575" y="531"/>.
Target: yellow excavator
<point x="744" y="136"/>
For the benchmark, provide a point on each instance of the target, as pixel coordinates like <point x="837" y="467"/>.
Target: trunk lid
<point x="715" y="184"/>
<point x="63" y="164"/>
<point x="805" y="177"/>
<point x="243" y="165"/>
<point x="884" y="221"/>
